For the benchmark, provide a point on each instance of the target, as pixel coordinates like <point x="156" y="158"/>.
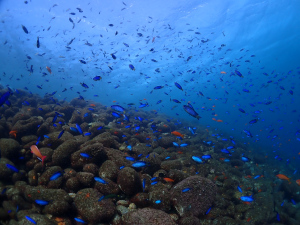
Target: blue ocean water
<point x="236" y="61"/>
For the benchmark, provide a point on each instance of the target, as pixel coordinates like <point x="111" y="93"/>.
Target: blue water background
<point x="230" y="33"/>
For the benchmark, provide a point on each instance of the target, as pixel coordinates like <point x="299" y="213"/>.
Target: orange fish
<point x="177" y="134"/>
<point x="93" y="105"/>
<point x="220" y="121"/>
<point x="13" y="133"/>
<point x="223" y="72"/>
<point x="283" y="177"/>
<point x="168" y="179"/>
<point x="49" y="70"/>
<point x="153" y="39"/>
<point x="298" y="182"/>
<point x="36" y="151"/>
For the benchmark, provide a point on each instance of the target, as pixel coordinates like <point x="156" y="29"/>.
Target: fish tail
<point x="43" y="159"/>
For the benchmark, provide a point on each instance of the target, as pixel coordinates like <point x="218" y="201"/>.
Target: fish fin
<point x="43" y="159"/>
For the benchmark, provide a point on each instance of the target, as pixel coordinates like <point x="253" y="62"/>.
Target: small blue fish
<point x="85" y="155"/>
<point x="144" y="184"/>
<point x="116" y="114"/>
<point x="247" y="198"/>
<point x="11" y="167"/>
<point x="197" y="159"/>
<point x="41" y="202"/>
<point x="191" y="130"/>
<point x="60" y="134"/>
<point x="131" y="67"/>
<point x="183" y="145"/>
<point x="100" y="180"/>
<point x="73" y="129"/>
<point x="139" y="164"/>
<point x="30" y="219"/>
<point x="88" y="134"/>
<point x="178" y="86"/>
<point x="79" y="129"/>
<point x="153" y="183"/>
<point x="175" y="144"/>
<point x="245" y="159"/>
<point x="239" y="189"/>
<point x="80" y="220"/>
<point x="206" y="157"/>
<point x="130" y="158"/>
<point x="118" y="108"/>
<point x="225" y="151"/>
<point x="96" y="78"/>
<point x="157" y="201"/>
<point x="56" y="175"/>
<point x="185" y="190"/>
<point x="129" y="147"/>
<point x="208" y="211"/>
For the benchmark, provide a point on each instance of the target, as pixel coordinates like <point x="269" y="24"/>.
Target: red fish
<point x="283" y="177"/>
<point x="49" y="70"/>
<point x="153" y="39"/>
<point x="13" y="133"/>
<point x="177" y="134"/>
<point x="36" y="151"/>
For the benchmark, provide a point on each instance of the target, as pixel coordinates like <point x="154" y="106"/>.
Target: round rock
<point x="198" y="198"/>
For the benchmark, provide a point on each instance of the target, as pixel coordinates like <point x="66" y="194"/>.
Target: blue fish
<point x="241" y="110"/>
<point x="118" y="108"/>
<point x="248" y="133"/>
<point x="158" y="87"/>
<point x="100" y="180"/>
<point x="253" y="121"/>
<point x="80" y="220"/>
<point x="4" y="97"/>
<point x="85" y="155"/>
<point x="191" y="130"/>
<point x="96" y="78"/>
<point x="183" y="145"/>
<point x="225" y="151"/>
<point x="190" y="110"/>
<point x="30" y="219"/>
<point x="131" y="67"/>
<point x="178" y="86"/>
<point x="142" y="105"/>
<point x="139" y="164"/>
<point x="41" y="202"/>
<point x="197" y="159"/>
<point x="176" y="101"/>
<point x="239" y="189"/>
<point x="175" y="144"/>
<point x="73" y="129"/>
<point x="11" y="167"/>
<point x="185" y="190"/>
<point x="247" y="198"/>
<point x="206" y="157"/>
<point x="208" y="211"/>
<point x="60" y="134"/>
<point x="79" y="129"/>
<point x="157" y="201"/>
<point x="245" y="159"/>
<point x="153" y="183"/>
<point x="116" y="114"/>
<point x="130" y="158"/>
<point x="56" y="175"/>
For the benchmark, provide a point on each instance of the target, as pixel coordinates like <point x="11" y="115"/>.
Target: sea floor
<point x="80" y="162"/>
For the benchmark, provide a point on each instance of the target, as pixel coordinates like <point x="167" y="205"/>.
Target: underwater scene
<point x="150" y="112"/>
